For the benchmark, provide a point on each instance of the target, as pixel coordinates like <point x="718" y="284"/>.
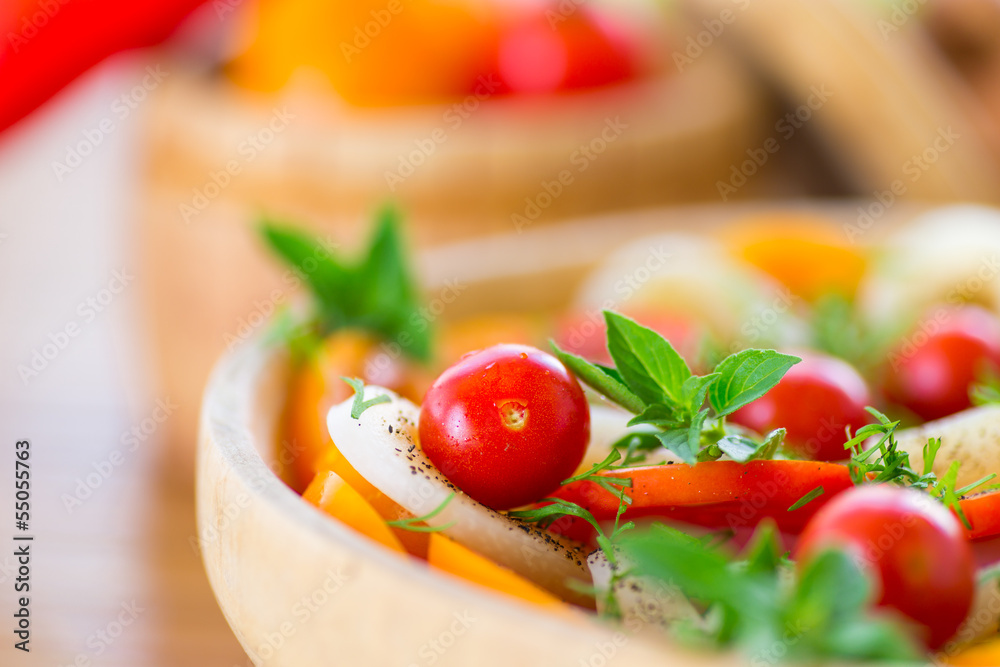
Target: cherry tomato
<point x="932" y="368"/>
<point x="506" y="424"/>
<point x="815" y="400"/>
<point x="912" y="546"/>
<point x="544" y="52"/>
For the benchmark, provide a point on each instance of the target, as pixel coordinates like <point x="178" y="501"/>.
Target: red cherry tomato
<point x="815" y="400"/>
<point x="549" y="51"/>
<point x="913" y="547"/>
<point x="506" y="424"/>
<point x="931" y="370"/>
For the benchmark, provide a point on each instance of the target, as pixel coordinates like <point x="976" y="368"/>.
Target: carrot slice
<point x="337" y="498"/>
<point x="452" y="557"/>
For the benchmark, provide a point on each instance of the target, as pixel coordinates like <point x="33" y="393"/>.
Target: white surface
<point x="61" y="243"/>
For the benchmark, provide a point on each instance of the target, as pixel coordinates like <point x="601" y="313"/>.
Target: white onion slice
<point x="383" y="447"/>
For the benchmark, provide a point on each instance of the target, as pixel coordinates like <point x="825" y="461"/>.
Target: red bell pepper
<point x="983" y="514"/>
<point x="45" y="44"/>
<point x="717" y="494"/>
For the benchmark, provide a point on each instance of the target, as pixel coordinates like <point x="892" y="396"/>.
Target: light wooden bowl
<point x="301" y="590"/>
<point x="268" y="553"/>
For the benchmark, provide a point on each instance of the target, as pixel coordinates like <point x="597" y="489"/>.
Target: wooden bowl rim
<point x="228" y="394"/>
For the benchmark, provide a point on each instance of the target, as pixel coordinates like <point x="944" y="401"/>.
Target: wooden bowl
<point x="300" y="589"/>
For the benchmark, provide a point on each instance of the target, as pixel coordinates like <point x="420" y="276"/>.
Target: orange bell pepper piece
<point x="810" y="256"/>
<point x="334" y="496"/>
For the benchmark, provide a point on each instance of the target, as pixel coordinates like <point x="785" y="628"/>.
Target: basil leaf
<point x="694" y="390"/>
<point x="376" y="294"/>
<point x="385" y="294"/>
<point x="694" y="431"/>
<point x="678" y="442"/>
<point x="658" y="414"/>
<point x="738" y="447"/>
<point x="763" y="553"/>
<point x="746" y="376"/>
<point x="772" y="441"/>
<point x="599" y="380"/>
<point x="636" y="447"/>
<point x="650" y="366"/>
<point x="325" y="277"/>
<point x="613" y="372"/>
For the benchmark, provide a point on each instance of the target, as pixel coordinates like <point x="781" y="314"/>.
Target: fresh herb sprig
<point x="886" y="463"/>
<point x="986" y="390"/>
<point x="557" y="508"/>
<point x="651" y="380"/>
<point x="360" y="404"/>
<point x="838" y="329"/>
<point x="376" y="292"/>
<point x="417" y="524"/>
<point x="613" y="485"/>
<point x="753" y="603"/>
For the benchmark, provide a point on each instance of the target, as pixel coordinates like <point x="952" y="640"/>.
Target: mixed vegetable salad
<point x="830" y="492"/>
